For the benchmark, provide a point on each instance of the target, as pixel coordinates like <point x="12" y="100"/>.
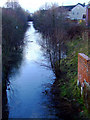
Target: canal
<point x="29" y="90"/>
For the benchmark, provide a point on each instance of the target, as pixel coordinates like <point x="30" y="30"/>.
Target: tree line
<point x="57" y="29"/>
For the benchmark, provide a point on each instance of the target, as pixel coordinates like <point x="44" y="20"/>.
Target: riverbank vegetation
<point x="57" y="29"/>
<point x="14" y="24"/>
<point x="63" y="36"/>
<point x="67" y="84"/>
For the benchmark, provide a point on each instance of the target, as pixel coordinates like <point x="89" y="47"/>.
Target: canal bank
<point x="67" y="84"/>
<point x="14" y="26"/>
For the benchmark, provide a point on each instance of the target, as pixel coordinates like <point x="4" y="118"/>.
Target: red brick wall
<point x="88" y="16"/>
<point x="83" y="68"/>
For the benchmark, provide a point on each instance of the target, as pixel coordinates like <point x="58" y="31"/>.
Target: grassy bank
<point x="67" y="84"/>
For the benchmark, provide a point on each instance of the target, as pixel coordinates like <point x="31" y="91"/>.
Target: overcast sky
<point x="33" y="5"/>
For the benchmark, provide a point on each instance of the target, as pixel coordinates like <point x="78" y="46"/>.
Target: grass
<point x="69" y="67"/>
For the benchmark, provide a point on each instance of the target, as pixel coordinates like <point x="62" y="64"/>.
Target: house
<point x="76" y="12"/>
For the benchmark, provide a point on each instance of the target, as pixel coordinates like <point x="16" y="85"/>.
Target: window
<point x="84" y="16"/>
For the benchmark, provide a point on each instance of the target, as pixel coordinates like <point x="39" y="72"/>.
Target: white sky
<point x="33" y="5"/>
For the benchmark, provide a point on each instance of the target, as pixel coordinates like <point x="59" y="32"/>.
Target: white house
<point x="78" y="12"/>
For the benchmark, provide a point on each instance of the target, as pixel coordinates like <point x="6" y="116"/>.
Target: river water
<point x="27" y="93"/>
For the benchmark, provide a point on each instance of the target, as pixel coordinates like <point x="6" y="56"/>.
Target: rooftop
<point x="70" y="7"/>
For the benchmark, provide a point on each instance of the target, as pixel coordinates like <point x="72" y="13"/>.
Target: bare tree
<point x="12" y="4"/>
<point x="52" y="21"/>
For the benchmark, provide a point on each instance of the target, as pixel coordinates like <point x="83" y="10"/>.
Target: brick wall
<point x="83" y="69"/>
<point x="89" y="16"/>
<point x="84" y="78"/>
<point x="0" y="63"/>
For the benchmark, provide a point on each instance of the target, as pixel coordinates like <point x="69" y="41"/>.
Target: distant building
<point x="76" y="12"/>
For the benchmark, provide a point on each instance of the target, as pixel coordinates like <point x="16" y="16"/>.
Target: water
<point x="26" y="97"/>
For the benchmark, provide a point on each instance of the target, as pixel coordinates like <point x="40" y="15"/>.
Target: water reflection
<point x="29" y="94"/>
